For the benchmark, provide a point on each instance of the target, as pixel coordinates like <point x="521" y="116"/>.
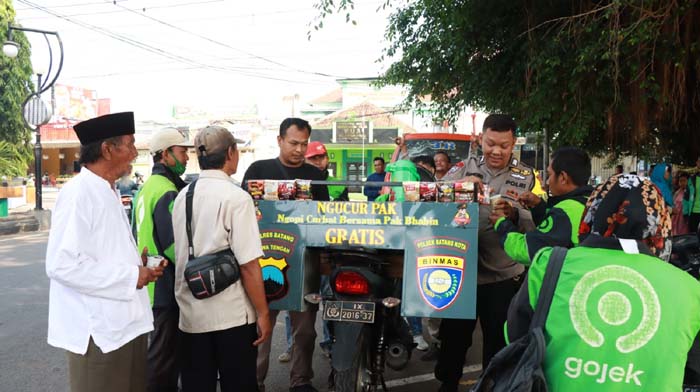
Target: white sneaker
<point x="285" y="357"/>
<point x="422" y="344"/>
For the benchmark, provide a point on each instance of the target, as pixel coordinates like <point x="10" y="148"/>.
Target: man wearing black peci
<point x="293" y="141"/>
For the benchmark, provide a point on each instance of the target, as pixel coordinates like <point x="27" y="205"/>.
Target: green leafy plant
<point x="15" y="84"/>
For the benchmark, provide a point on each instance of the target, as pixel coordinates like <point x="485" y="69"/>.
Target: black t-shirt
<point x="273" y="169"/>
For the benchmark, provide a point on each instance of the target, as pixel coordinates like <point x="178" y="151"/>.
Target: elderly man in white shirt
<point x="98" y="310"/>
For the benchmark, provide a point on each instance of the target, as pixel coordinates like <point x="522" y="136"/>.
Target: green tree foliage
<point x="15" y="79"/>
<point x="617" y="76"/>
<point x="13" y="162"/>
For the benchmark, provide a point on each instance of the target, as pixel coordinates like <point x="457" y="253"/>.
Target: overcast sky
<point x="148" y="55"/>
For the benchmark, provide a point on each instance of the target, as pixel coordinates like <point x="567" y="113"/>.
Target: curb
<point x="21" y="222"/>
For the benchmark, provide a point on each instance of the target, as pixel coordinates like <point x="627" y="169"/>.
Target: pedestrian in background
<point x="379" y="174"/>
<point x="661" y="177"/>
<point x="317" y="155"/>
<point x="154" y="228"/>
<point x="680" y="206"/>
<point x="219" y="334"/>
<point x="98" y="310"/>
<point x="693" y="197"/>
<point x="443" y="164"/>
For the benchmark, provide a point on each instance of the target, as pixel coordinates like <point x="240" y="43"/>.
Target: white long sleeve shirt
<point x="93" y="262"/>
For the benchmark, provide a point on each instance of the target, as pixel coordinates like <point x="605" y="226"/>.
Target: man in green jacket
<point x="558" y="219"/>
<point x="622" y="318"/>
<point x="154" y="229"/>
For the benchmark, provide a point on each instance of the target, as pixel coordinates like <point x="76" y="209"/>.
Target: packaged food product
<point x="256" y="188"/>
<point x="428" y="191"/>
<point x="446" y="192"/>
<point x="303" y="191"/>
<point x="493" y="200"/>
<point x="271" y="189"/>
<point x="411" y="190"/>
<point x="485" y="197"/>
<point x="464" y="192"/>
<point x="286" y="189"/>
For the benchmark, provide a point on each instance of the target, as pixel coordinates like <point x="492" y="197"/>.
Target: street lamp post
<point x="35" y="112"/>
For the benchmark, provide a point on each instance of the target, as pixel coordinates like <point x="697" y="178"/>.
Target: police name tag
<point x="352" y="311"/>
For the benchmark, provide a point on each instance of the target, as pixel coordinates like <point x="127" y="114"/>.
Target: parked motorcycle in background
<point x="685" y="253"/>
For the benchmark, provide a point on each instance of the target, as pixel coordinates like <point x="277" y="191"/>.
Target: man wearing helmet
<point x="154" y="229"/>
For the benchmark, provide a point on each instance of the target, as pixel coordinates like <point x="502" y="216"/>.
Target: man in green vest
<point x="154" y="228"/>
<point x="557" y="219"/>
<point x="622" y="318"/>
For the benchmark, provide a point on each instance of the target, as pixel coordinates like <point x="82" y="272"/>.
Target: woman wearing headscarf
<point x="661" y="177"/>
<point x="622" y="318"/>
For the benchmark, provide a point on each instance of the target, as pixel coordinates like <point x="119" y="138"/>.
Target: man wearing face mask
<point x="498" y="274"/>
<point x="154" y="228"/>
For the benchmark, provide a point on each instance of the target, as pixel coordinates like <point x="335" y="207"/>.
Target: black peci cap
<point x="104" y="127"/>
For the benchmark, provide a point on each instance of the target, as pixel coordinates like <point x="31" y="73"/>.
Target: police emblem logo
<point x="274" y="274"/>
<point x="440" y="279"/>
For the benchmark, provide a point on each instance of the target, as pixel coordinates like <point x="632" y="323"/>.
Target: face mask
<point x="179" y="168"/>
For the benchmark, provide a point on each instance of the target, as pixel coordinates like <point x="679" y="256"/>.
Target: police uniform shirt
<point x="494" y="264"/>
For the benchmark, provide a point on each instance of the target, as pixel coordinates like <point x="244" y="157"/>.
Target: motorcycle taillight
<point x="350" y="282"/>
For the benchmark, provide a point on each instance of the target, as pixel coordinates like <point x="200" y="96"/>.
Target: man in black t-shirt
<point x="292" y="140"/>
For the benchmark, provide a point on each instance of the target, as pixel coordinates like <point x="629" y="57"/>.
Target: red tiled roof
<point x="335" y="96"/>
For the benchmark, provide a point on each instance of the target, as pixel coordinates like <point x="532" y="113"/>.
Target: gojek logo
<point x="615" y="309"/>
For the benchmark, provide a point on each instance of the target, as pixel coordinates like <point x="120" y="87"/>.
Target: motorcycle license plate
<point x="354" y="312"/>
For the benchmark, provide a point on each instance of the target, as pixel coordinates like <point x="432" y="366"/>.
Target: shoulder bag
<point x="207" y="275"/>
<point x="518" y="366"/>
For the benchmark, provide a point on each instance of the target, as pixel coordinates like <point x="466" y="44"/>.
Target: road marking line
<point x="426" y="377"/>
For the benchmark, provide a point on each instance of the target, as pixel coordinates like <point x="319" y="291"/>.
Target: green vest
<point x="618" y="321"/>
<point x="695" y="189"/>
<point x="144" y="206"/>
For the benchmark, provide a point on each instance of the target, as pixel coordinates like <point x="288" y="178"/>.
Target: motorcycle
<point x="361" y="303"/>
<point x="685" y="253"/>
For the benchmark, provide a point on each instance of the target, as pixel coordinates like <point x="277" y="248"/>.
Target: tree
<point x="15" y="82"/>
<point x="620" y="76"/>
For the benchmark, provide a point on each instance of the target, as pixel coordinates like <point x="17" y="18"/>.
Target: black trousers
<point x="492" y="301"/>
<point x="230" y="353"/>
<point x="163" y="364"/>
<point x="693" y="222"/>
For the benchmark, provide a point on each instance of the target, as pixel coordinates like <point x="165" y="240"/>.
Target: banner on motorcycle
<point x="438" y="241"/>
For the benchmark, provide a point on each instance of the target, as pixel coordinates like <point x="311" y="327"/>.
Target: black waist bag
<point x="207" y="275"/>
<point x="518" y="366"/>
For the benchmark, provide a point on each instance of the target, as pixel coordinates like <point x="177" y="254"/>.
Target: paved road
<point x="27" y="363"/>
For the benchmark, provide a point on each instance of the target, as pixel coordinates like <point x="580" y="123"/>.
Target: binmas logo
<point x="613" y="286"/>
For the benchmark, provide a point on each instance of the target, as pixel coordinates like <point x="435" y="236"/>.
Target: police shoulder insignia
<point x="520" y="170"/>
<point x="440" y="279"/>
<point x="274" y="274"/>
<point x="456" y="167"/>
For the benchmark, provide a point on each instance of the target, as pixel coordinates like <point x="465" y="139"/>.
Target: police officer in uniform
<point x="498" y="275"/>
